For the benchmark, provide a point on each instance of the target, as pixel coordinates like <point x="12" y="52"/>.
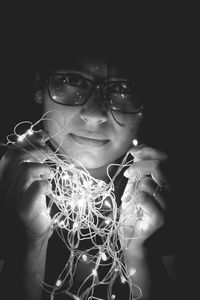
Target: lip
<point x="88" y="141"/>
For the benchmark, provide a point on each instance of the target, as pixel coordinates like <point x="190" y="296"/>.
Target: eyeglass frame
<point x="95" y="85"/>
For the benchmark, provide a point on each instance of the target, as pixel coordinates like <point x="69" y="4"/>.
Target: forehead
<point x="94" y="67"/>
<point x="98" y="66"/>
<point x="99" y="54"/>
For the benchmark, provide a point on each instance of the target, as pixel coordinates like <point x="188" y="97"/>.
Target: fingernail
<point x="126" y="174"/>
<point x="137" y="149"/>
<point x="126" y="197"/>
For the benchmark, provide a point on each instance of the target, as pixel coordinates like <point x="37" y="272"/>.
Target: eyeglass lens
<point x="74" y="90"/>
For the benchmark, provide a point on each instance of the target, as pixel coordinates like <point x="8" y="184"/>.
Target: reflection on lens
<point x="124" y="107"/>
<point x="125" y="119"/>
<point x="125" y="103"/>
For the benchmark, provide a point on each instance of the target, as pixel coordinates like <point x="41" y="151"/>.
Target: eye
<point x="76" y="80"/>
<point x="121" y="87"/>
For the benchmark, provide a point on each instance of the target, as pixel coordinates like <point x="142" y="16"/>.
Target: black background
<point x="168" y="35"/>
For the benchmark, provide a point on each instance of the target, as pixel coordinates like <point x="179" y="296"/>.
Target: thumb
<point x="35" y="198"/>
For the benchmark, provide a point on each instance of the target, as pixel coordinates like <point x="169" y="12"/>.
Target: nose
<point x="94" y="110"/>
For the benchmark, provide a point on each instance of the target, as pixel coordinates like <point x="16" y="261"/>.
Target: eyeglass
<point x="72" y="89"/>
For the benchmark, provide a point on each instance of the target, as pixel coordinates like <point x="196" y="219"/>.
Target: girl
<point x="95" y="107"/>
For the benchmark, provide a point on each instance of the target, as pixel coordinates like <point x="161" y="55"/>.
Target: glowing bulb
<point x="21" y="138"/>
<point x="62" y="224"/>
<point x="65" y="177"/>
<point x="27" y="161"/>
<point x="81" y="202"/>
<point x="132" y="272"/>
<point x="143" y="226"/>
<point x="113" y="296"/>
<point x="75" y="225"/>
<point x="103" y="256"/>
<point x="77" y="298"/>
<point x="30" y="131"/>
<point x="135" y="142"/>
<point x="107" y="203"/>
<point x="94" y="272"/>
<point x="55" y="221"/>
<point x="123" y="279"/>
<point x="58" y="282"/>
<point x="107" y="221"/>
<point x="84" y="257"/>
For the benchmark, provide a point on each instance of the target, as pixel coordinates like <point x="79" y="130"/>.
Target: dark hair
<point x="116" y="50"/>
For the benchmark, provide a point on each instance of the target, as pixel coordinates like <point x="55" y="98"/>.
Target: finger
<point x="146" y="153"/>
<point x="148" y="168"/>
<point x="35" y="137"/>
<point x="145" y="208"/>
<point x="147" y="185"/>
<point x="30" y="149"/>
<point x="130" y="186"/>
<point x="42" y="136"/>
<point x="146" y="205"/>
<point x="37" y="153"/>
<point x="34" y="200"/>
<point x="27" y="174"/>
<point x="39" y="187"/>
<point x="35" y="170"/>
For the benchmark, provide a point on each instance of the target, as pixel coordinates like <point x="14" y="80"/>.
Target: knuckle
<point x="143" y="197"/>
<point x="144" y="183"/>
<point x="160" y="219"/>
<point x="41" y="184"/>
<point x="26" y="168"/>
<point x="157" y="165"/>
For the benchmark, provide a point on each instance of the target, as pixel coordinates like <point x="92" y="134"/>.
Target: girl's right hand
<point x="24" y="184"/>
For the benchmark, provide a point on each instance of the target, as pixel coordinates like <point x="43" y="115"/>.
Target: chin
<point x="89" y="163"/>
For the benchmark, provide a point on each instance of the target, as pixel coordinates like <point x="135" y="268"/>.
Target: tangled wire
<point x="86" y="210"/>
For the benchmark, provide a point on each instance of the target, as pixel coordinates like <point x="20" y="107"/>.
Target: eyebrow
<point x="81" y="69"/>
<point x="71" y="67"/>
<point x="111" y="78"/>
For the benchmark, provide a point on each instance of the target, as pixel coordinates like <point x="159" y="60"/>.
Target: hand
<point x="145" y="199"/>
<point x="24" y="184"/>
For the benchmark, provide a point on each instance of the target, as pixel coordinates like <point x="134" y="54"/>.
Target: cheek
<point x="124" y="140"/>
<point x="56" y="118"/>
<point x="126" y="134"/>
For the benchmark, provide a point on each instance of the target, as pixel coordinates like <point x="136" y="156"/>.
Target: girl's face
<point x="89" y="132"/>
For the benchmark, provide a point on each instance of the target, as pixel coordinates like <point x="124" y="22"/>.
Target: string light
<point x="132" y="272"/>
<point x="135" y="142"/>
<point x="94" y="272"/>
<point x="86" y="210"/>
<point x="84" y="257"/>
<point x="123" y="279"/>
<point x="104" y="257"/>
<point x="58" y="282"/>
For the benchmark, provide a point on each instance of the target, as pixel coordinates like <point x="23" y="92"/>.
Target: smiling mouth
<point x="88" y="141"/>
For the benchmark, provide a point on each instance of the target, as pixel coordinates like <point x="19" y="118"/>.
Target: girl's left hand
<point x="145" y="198"/>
